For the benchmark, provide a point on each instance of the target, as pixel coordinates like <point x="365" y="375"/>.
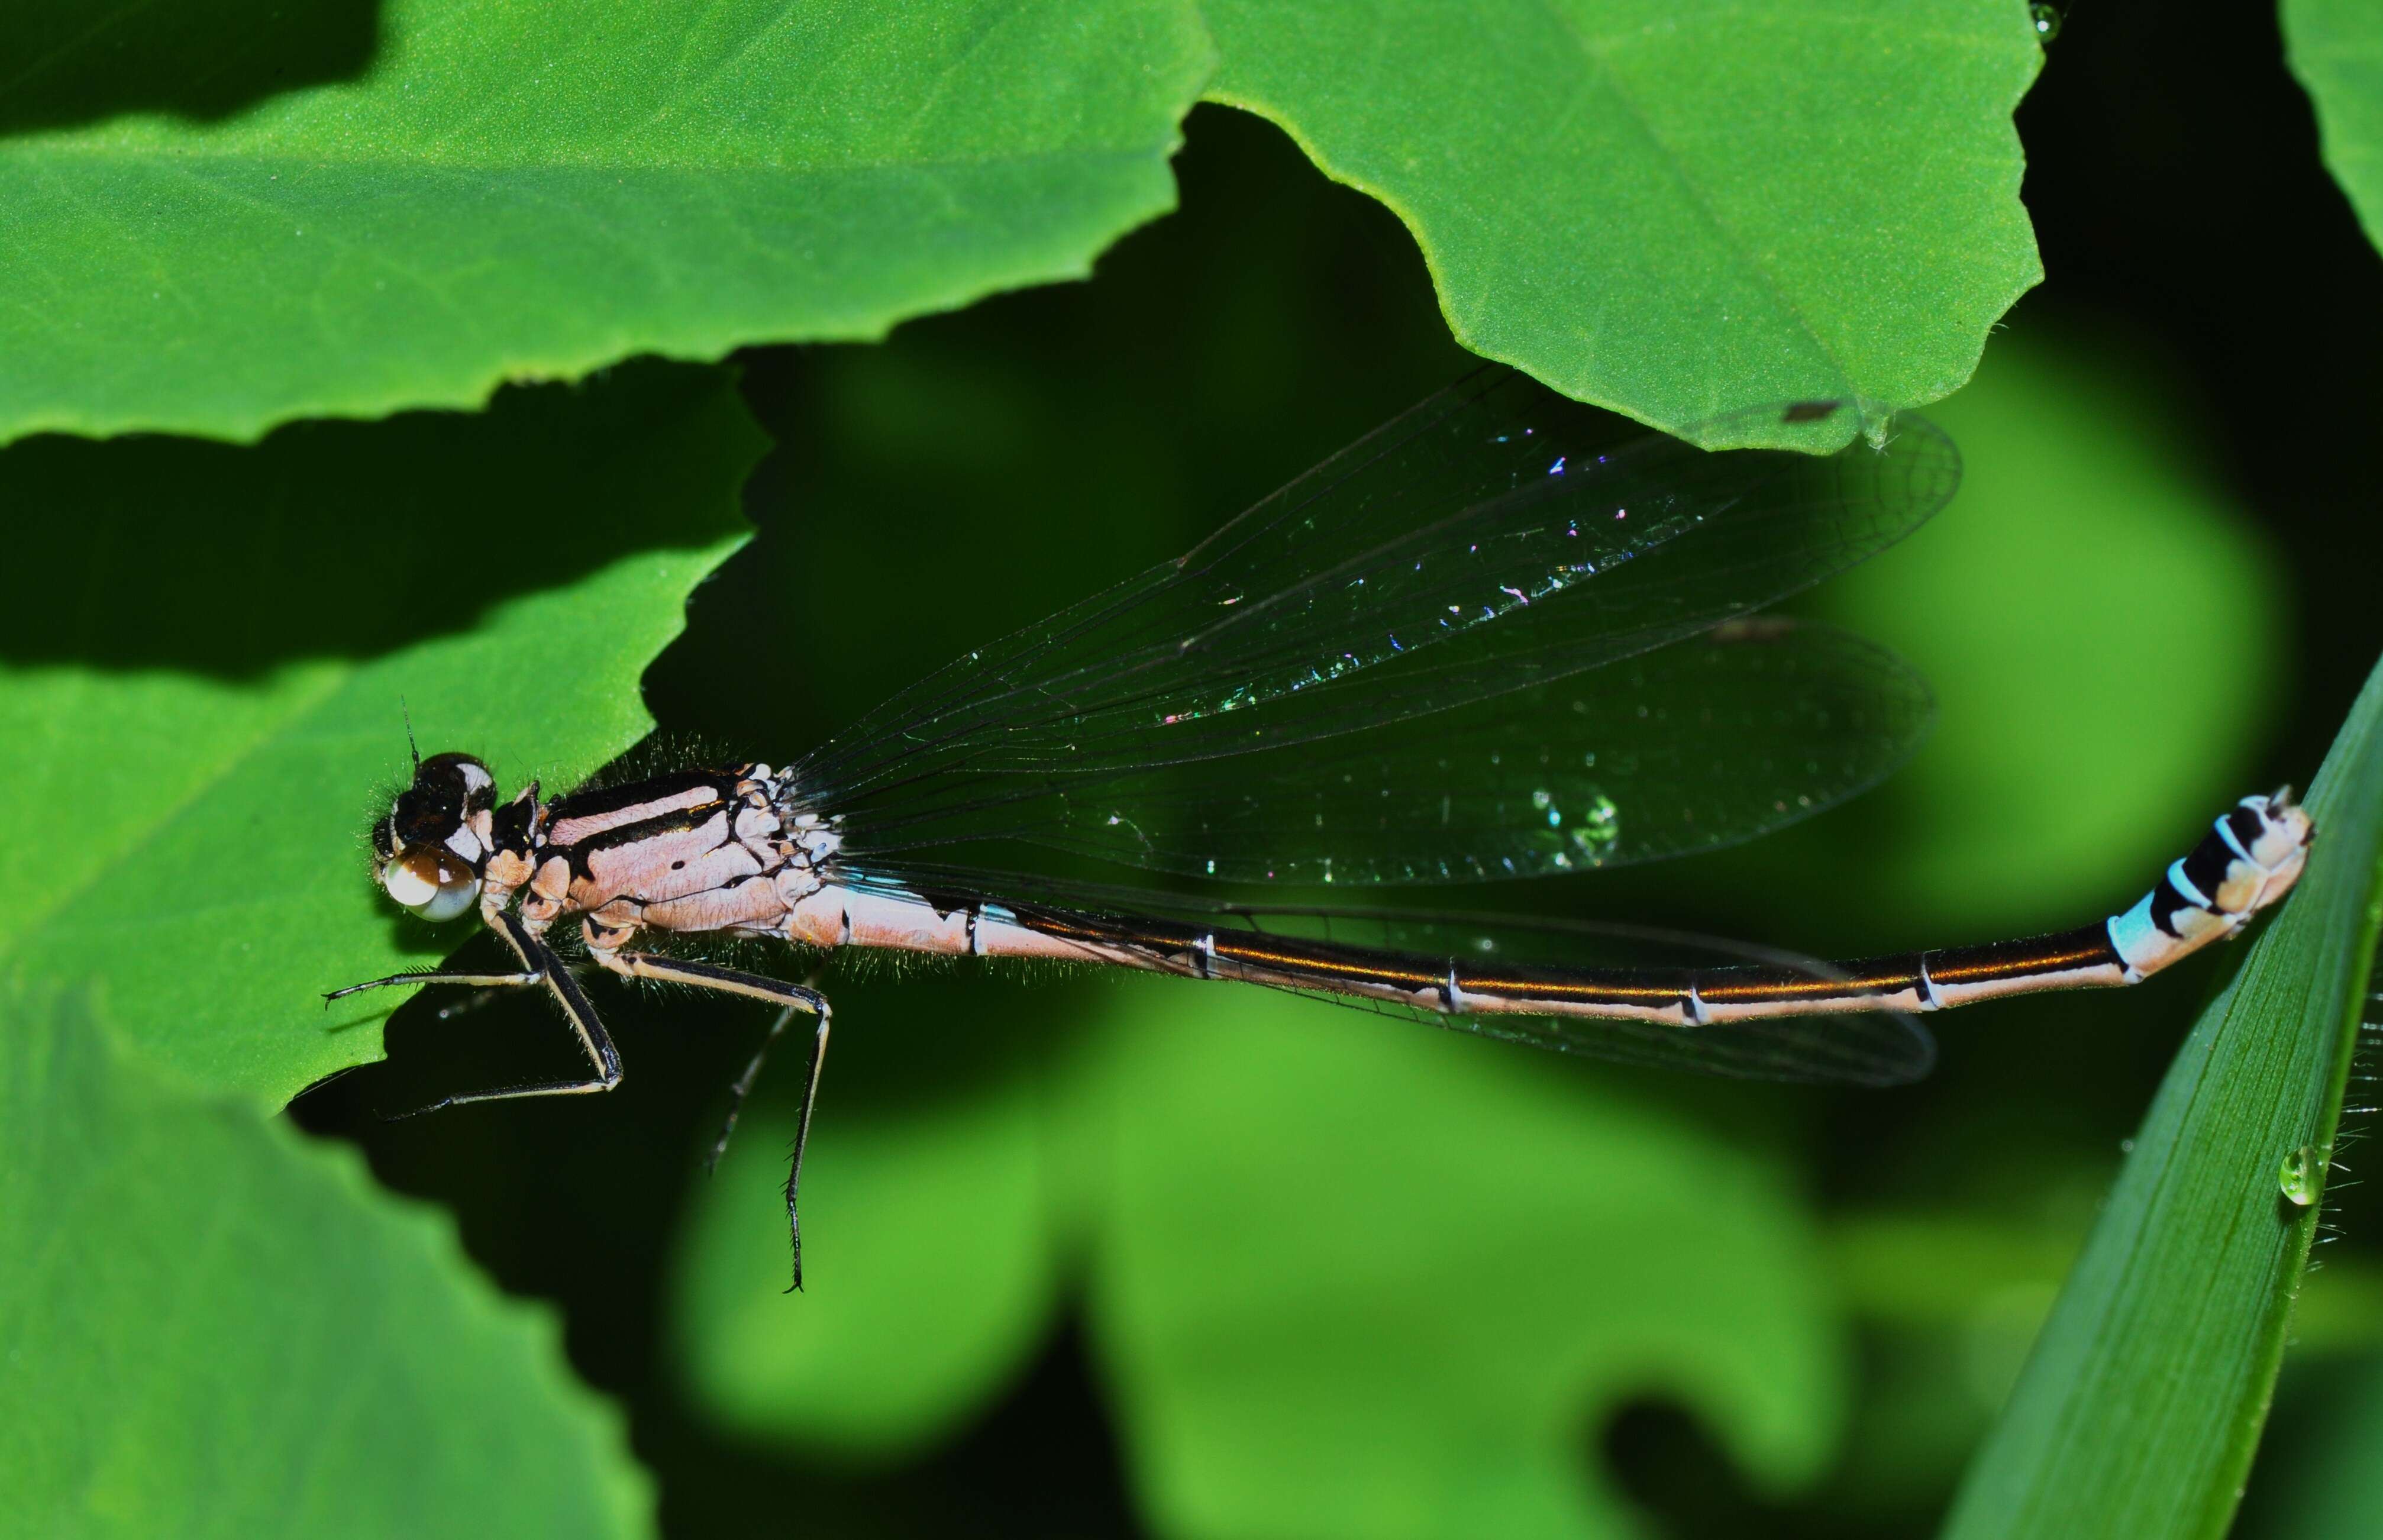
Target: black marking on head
<point x="447" y="789"/>
<point x="1809" y="412"/>
<point x="2247" y="825"/>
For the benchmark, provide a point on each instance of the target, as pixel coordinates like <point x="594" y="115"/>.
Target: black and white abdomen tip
<point x="2247" y="862"/>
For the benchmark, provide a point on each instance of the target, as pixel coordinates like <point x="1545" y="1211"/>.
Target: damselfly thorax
<point x="1568" y="609"/>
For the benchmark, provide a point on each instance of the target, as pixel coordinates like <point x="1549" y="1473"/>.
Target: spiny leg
<point x="802" y="1135"/>
<point x="744" y="1082"/>
<point x="792" y="998"/>
<point x="440" y="976"/>
<point x="742" y="1087"/>
<point x="455" y="1010"/>
<point x="540" y="965"/>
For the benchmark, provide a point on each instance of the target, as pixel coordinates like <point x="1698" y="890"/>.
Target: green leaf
<point x="935" y="1278"/>
<point x="2141" y="1408"/>
<point x="538" y="189"/>
<point x="1678" y="210"/>
<point x="210" y="1325"/>
<point x="1356" y="1279"/>
<point x="2336" y="48"/>
<point x="201" y="685"/>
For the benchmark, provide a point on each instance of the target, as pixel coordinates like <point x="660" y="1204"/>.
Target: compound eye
<point x="432" y="882"/>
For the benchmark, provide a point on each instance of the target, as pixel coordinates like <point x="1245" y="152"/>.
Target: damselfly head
<point x="434" y="842"/>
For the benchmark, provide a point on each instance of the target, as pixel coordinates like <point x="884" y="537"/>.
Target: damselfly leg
<point x="540" y="967"/>
<point x="546" y="967"/>
<point x="756" y="986"/>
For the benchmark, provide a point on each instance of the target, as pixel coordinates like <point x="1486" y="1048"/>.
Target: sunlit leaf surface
<point x="1678" y="210"/>
<point x="538" y="189"/>
<point x="209" y="1325"/>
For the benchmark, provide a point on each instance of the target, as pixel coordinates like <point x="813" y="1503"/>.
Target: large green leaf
<point x="2336" y="48"/>
<point x="1358" y="1280"/>
<point x="538" y="190"/>
<point x="210" y="1327"/>
<point x="206" y="651"/>
<point x="1671" y="209"/>
<point x="2143" y="1400"/>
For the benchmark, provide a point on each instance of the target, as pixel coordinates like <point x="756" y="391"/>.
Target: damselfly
<point x="1497" y="638"/>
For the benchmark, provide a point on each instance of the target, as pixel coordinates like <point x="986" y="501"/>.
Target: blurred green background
<point x="1092" y="1257"/>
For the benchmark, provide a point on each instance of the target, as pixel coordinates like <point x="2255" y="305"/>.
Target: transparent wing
<point x="1495" y="537"/>
<point x="1706" y="743"/>
<point x="1868" y="1049"/>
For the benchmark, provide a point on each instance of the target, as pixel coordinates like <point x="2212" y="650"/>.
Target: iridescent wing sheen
<point x="1714" y="739"/>
<point x="1497" y="537"/>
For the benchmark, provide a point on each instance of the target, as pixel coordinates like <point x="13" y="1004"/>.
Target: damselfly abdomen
<point x="1497" y="638"/>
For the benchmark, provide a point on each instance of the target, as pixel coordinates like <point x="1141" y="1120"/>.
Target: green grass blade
<point x="2141" y="1406"/>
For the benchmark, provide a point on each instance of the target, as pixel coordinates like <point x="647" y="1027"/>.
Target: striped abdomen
<point x="2246" y="863"/>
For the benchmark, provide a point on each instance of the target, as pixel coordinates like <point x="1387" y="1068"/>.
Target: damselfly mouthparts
<point x="1493" y="639"/>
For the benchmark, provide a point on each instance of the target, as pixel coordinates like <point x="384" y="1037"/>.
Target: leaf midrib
<point x="1593" y="52"/>
<point x="35" y="916"/>
<point x="30" y="150"/>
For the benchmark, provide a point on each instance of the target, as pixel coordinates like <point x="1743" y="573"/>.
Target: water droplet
<point x="2301" y="1176"/>
<point x="2046" y="17"/>
<point x="1543" y="800"/>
